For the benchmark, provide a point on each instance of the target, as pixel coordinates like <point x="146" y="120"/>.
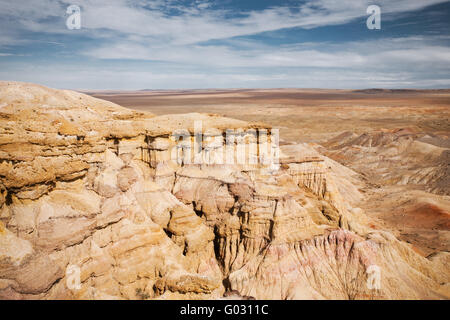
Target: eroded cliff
<point x="93" y="206"/>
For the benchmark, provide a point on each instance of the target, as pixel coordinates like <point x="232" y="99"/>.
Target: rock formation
<point x="421" y="160"/>
<point x="93" y="207"/>
<point x="408" y="177"/>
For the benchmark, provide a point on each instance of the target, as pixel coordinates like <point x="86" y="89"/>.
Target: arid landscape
<point x="397" y="142"/>
<point x="217" y="158"/>
<point x="95" y="206"/>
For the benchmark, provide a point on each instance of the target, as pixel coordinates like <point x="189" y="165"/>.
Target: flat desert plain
<point x="396" y="142"/>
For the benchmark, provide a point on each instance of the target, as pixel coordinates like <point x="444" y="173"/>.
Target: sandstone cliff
<point x="88" y="189"/>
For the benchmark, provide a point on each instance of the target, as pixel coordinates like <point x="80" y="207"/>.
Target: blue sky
<point x="177" y="44"/>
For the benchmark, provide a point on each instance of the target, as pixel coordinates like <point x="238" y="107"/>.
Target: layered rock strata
<point x="94" y="206"/>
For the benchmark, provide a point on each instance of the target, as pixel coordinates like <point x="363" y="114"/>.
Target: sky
<point x="198" y="44"/>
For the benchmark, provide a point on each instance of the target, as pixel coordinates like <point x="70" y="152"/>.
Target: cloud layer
<point x="202" y="44"/>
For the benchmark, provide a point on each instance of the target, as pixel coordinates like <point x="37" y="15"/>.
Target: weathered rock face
<point x="420" y="160"/>
<point x="92" y="207"/>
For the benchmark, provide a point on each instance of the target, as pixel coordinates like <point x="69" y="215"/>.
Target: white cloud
<point x="87" y="77"/>
<point x="385" y="53"/>
<point x="196" y="23"/>
<point x="143" y="30"/>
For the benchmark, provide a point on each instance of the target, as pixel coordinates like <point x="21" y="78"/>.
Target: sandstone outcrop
<point x="93" y="206"/>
